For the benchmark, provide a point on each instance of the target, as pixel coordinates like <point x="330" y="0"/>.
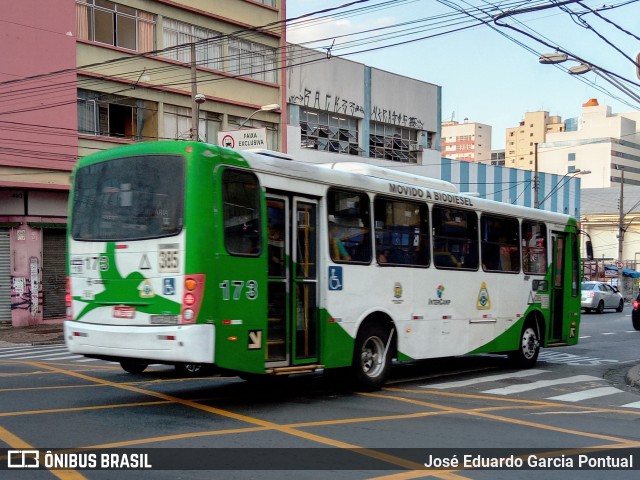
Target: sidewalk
<point x="42" y="334"/>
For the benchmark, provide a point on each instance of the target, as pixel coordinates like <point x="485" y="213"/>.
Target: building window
<point x="392" y="142"/>
<point x="116" y="116"/>
<point x="252" y="60"/>
<point x="571" y="157"/>
<point x="209" y="53"/>
<point x="329" y="132"/>
<point x="110" y="23"/>
<point x="177" y="124"/>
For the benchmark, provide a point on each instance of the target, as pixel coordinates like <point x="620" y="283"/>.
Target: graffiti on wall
<point x="395" y="118"/>
<point x="329" y="103"/>
<point x="25" y="292"/>
<point x="336" y="104"/>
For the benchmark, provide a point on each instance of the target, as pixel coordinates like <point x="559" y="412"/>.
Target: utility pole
<point x="194" y="91"/>
<point x="536" y="203"/>
<point x="621" y="227"/>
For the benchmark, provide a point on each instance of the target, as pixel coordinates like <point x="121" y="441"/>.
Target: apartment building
<point x="467" y="142"/>
<point x="79" y="76"/>
<point x="520" y="142"/>
<point x="599" y="141"/>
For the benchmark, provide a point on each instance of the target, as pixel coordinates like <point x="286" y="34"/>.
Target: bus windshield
<point x="129" y="198"/>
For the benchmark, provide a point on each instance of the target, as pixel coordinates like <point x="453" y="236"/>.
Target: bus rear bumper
<point x="170" y="344"/>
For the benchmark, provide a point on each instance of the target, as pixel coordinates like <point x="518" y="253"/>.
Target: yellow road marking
<point x="16" y="442"/>
<point x="417" y="470"/>
<point x="401" y="462"/>
<point x="476" y="413"/>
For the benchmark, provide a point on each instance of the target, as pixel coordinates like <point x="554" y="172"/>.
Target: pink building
<point x="38" y="148"/>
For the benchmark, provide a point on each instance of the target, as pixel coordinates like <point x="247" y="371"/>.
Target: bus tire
<point x="371" y="360"/>
<point x="133" y="366"/>
<point x="528" y="347"/>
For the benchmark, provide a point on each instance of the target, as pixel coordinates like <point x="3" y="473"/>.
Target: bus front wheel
<point x="134" y="366"/>
<point x="371" y="357"/>
<point x="528" y="347"/>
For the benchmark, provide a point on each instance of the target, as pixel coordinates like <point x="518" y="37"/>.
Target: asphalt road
<point x="307" y="428"/>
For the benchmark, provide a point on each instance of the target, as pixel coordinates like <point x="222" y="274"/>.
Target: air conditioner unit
<point x="415" y="147"/>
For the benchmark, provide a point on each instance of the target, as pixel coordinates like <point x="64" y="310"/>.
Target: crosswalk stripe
<point x="44" y="355"/>
<point x="488" y="378"/>
<point x="40" y="352"/>
<point x="585" y="394"/>
<point x="63" y="358"/>
<point x="631" y="405"/>
<point x="540" y="384"/>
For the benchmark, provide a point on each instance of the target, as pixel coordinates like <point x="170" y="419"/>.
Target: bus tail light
<point x="68" y="298"/>
<point x="192" y="298"/>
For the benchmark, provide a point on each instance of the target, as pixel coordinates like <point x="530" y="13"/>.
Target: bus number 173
<point x="249" y="287"/>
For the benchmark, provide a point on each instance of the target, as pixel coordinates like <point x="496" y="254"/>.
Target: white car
<point x="600" y="295"/>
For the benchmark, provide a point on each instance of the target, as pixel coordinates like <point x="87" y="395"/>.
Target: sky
<point x="488" y="73"/>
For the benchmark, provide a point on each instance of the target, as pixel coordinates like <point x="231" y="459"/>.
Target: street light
<point x="557" y="185"/>
<point x="583" y="67"/>
<point x="264" y="108"/>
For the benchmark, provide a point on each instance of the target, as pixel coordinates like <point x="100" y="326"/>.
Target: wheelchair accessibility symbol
<point x="335" y="278"/>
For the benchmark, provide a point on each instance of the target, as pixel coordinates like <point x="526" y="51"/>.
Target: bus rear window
<point x="130" y="198"/>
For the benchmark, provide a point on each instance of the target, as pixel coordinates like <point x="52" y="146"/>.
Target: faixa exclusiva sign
<point x="243" y="139"/>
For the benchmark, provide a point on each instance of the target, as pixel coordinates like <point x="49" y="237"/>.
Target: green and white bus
<point x="194" y="255"/>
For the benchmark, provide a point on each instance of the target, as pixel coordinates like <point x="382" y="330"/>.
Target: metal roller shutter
<point x="53" y="273"/>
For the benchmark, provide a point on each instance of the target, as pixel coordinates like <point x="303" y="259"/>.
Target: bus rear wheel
<point x="371" y="357"/>
<point x="134" y="366"/>
<point x="528" y="348"/>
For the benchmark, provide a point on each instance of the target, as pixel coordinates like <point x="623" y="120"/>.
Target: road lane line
<point x="16" y="442"/>
<point x="371" y="453"/>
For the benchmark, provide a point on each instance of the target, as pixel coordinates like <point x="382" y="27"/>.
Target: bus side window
<point x="402" y="232"/>
<point x="499" y="242"/>
<point x="349" y="226"/>
<point x="534" y="247"/>
<point x="241" y="212"/>
<point x="455" y="238"/>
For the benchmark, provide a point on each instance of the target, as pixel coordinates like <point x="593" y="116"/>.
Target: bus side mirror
<point x="589" y="250"/>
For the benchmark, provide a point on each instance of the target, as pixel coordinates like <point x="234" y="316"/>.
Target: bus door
<point x="560" y="279"/>
<point x="292" y="291"/>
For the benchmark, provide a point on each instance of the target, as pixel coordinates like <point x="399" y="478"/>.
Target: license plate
<point x="122" y="311"/>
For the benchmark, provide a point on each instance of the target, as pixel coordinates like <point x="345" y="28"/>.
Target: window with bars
<point x="329" y="132"/>
<point x="110" y="23"/>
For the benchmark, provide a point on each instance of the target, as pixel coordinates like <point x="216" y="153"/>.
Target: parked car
<point x="600" y="295"/>
<point x="635" y="313"/>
